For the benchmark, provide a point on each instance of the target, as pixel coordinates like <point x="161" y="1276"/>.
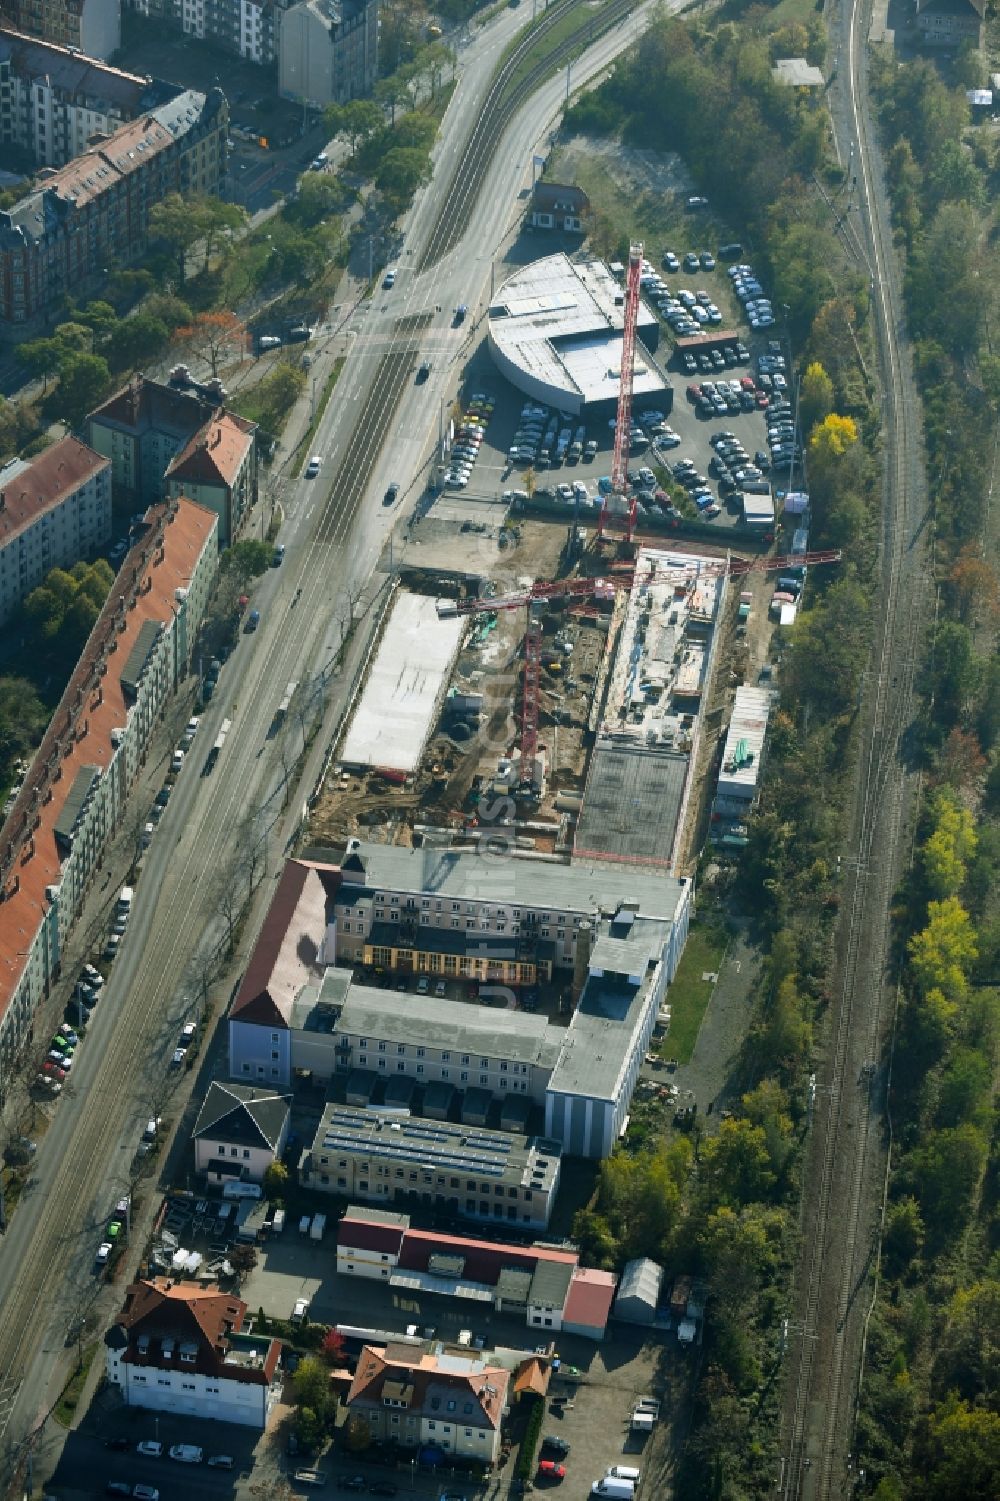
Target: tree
<point x="311" y="1385"/>
<point x="213" y="337"/>
<point x="963" y="1454"/>
<point x="357" y="1434"/>
<point x="310" y="1430"/>
<point x="243" y="1259"/>
<point x="973" y="584"/>
<point x="246" y="560"/>
<point x="943" y="952"/>
<point x="736" y="1164"/>
<point x="23" y="718"/>
<point x="954" y="670"/>
<point x="83" y="380"/>
<point x="949" y="848"/>
<point x="214" y="217"/>
<point x="400" y="173"/>
<point x="276" y="1180"/>
<point x="358" y="120"/>
<point x="173" y="222"/>
<point x="334" y="1347"/>
<point x="904" y="1234"/>
<point x="947" y="1170"/>
<point x="828" y="646"/>
<point x="968" y="1359"/>
<point x="815" y="396"/>
<point x="100" y="318"/>
<point x="135" y="340"/>
<point x="40" y="357"/>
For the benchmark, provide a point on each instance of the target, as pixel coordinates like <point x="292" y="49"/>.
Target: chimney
<point x="581" y="959"/>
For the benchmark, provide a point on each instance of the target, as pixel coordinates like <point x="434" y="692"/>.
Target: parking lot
<point x="502" y="435"/>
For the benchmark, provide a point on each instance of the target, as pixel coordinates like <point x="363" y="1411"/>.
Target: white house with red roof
<point x="178" y="1347"/>
<point x="451" y="1400"/>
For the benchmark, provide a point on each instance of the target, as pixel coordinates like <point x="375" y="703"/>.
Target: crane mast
<point x="619" y="501"/>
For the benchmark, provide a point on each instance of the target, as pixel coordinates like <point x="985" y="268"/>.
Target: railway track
<point x="848" y="1141"/>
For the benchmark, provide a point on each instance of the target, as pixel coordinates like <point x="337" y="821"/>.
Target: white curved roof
<point x="556" y="325"/>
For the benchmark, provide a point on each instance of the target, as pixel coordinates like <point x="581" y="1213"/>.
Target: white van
<point x="125" y="899"/>
<point x="613" y="1489"/>
<point x="624" y="1472"/>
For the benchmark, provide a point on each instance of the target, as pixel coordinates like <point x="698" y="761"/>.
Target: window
<point x="464" y="1076"/>
<point x="445" y="1057"/>
<point x="381" y="1047"/>
<point x="465" y="1057"/>
<point x="420" y="1052"/>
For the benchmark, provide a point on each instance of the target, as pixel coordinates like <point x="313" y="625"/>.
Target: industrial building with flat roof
<point x="556" y="332"/>
<point x="616" y="934"/>
<point x="459" y="1170"/>
<point x="543" y="1283"/>
<point x="405" y="684"/>
<point x="639" y="780"/>
<point x="742" y="758"/>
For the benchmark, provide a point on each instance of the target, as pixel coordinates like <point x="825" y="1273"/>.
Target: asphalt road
<point x="198" y="853"/>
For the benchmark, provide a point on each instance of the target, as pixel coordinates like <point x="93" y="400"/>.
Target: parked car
<point x="313" y="466"/>
<point x="151" y="1447"/>
<point x="253" y="621"/>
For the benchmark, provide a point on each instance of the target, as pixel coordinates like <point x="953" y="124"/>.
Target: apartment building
<point x="328" y="51"/>
<point x="469" y="1172"/>
<point x="55" y="102"/>
<point x="75" y="795"/>
<point x="450" y="1400"/>
<point x="54" y="511"/>
<point x="95" y="26"/>
<point x="949" y="23"/>
<point x="178" y="1347"/>
<point x="218" y="468"/>
<point x="94" y="212"/>
<point x="162" y="440"/>
<point x="247" y="28"/>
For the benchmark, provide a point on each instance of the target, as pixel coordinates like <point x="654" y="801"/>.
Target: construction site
<point x="578" y="700"/>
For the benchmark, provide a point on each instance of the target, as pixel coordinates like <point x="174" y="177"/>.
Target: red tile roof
<point x="484" y="1259"/>
<point x="46" y="481"/>
<point x="591" y="1293"/>
<point x="215" y="453"/>
<point x="80" y="731"/>
<point x="185" y="1312"/>
<point x="286" y="953"/>
<point x="486" y="1384"/>
<point x="368" y="1235"/>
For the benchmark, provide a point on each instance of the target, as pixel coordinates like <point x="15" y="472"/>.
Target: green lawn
<point x="688" y="994"/>
<point x="65" y="1409"/>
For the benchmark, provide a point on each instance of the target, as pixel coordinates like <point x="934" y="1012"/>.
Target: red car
<point x="746" y="381"/>
<point x="694" y="392"/>
<point x="549" y="1470"/>
<point x="54" y="1071"/>
<point x="762" y="399"/>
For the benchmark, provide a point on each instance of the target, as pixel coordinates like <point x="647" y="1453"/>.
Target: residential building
<point x="218" y="468"/>
<point x="177" y="1347"/>
<point x="949" y="23"/>
<point x="639" y="1291"/>
<point x="555" y="205"/>
<point x="74" y="798"/>
<point x="247" y="28"/>
<point x="615" y="935"/>
<point x="451" y="1400"/>
<point x="94" y="212"/>
<point x="328" y="51"/>
<point x="55" y="102"/>
<point x="240" y="1132"/>
<point x="471" y="1173"/>
<point x="163" y="440"/>
<point x="95" y="26"/>
<point x="54" y="511"/>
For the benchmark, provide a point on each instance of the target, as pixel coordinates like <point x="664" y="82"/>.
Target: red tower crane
<point x="605" y="587"/>
<point x="619" y="499"/>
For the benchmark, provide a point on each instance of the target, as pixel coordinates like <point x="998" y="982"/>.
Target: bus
<point x="220" y="741"/>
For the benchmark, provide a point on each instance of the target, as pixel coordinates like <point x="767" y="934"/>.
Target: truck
<point x="645" y="1415"/>
<point x="282" y="709"/>
<point x="278" y="1223"/>
<point x="317" y="1227"/>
